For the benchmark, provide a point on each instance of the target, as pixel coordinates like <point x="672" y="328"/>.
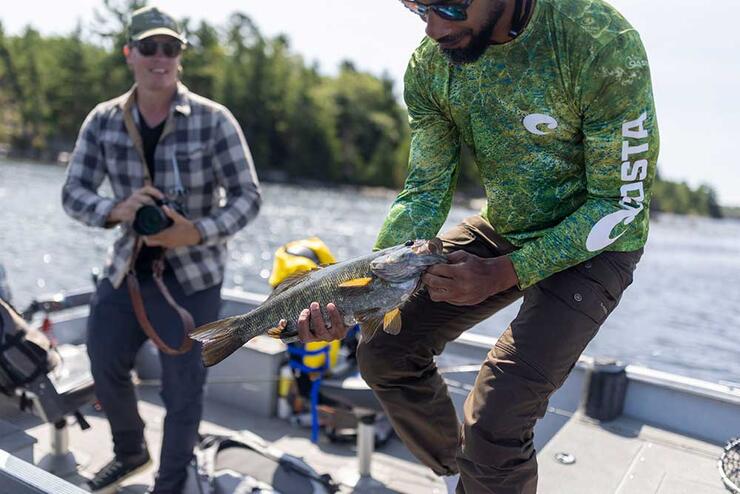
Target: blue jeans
<point x="113" y="340"/>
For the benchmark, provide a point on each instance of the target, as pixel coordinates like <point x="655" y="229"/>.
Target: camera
<point x="151" y="219"/>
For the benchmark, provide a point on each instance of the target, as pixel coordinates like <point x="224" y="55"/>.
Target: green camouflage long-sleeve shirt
<point x="562" y="126"/>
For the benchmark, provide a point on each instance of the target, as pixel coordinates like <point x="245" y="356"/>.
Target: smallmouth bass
<point x="368" y="290"/>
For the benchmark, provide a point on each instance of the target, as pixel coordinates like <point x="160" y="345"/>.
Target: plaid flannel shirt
<point x="204" y="142"/>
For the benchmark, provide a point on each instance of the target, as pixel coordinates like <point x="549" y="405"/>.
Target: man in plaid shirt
<point x="158" y="141"/>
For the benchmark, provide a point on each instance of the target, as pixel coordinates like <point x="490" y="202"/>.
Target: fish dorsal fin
<point x="290" y="281"/>
<point x="356" y="283"/>
<point x="392" y="322"/>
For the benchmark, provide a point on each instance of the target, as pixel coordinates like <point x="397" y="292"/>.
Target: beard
<point x="479" y="41"/>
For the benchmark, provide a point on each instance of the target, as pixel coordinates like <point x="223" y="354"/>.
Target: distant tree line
<point x="300" y="124"/>
<point x="348" y="128"/>
<point x="731" y="212"/>
<point x="679" y="198"/>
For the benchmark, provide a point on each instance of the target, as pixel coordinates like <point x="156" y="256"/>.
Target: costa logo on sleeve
<point x="634" y="170"/>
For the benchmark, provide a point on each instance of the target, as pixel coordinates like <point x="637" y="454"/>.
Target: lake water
<point x="682" y="314"/>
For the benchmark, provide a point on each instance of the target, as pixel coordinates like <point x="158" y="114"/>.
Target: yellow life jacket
<point x="296" y="257"/>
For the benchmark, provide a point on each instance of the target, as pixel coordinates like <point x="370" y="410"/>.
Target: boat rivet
<point x="578" y="297"/>
<point x="565" y="458"/>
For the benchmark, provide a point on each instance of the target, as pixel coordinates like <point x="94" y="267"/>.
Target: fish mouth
<point x="408" y="261"/>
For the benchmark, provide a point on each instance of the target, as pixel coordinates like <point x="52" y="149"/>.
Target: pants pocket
<point x="611" y="272"/>
<point x="581" y="293"/>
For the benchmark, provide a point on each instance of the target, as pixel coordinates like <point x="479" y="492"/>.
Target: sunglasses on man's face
<point x="148" y="47"/>
<point x="450" y="11"/>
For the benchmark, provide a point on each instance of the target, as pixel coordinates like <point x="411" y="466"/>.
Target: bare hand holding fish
<point x="469" y="279"/>
<point x="366" y="290"/>
<point x="312" y="327"/>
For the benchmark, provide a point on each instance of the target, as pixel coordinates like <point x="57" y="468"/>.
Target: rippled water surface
<point x="682" y="314"/>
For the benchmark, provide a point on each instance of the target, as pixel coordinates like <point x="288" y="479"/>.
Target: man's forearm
<point x="228" y="220"/>
<point x="86" y="206"/>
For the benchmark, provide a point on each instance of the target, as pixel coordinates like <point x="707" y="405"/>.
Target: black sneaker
<point x="116" y="471"/>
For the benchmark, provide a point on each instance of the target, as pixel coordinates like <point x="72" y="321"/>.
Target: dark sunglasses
<point x="446" y="10"/>
<point x="148" y="47"/>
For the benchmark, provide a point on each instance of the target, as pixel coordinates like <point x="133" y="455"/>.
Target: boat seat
<point x="353" y="392"/>
<point x="52" y="382"/>
<point x="62" y="392"/>
<point x="56" y="396"/>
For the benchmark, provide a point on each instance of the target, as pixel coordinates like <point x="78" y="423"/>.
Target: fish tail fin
<point x="220" y="339"/>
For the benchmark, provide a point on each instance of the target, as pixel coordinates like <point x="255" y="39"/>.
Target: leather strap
<point x="158" y="265"/>
<point x="135" y="293"/>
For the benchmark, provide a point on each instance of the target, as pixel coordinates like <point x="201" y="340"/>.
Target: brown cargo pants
<point x="493" y="451"/>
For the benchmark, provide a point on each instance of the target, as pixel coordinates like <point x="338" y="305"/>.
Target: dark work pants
<point x="114" y="338"/>
<point x="494" y="449"/>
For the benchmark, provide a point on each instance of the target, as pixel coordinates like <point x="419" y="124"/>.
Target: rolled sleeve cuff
<point x="102" y="211"/>
<point x="209" y="231"/>
<point x="526" y="273"/>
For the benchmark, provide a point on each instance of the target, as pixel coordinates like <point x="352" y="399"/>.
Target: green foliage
<point x="299" y="123"/>
<point x="368" y="123"/>
<point x="679" y="198"/>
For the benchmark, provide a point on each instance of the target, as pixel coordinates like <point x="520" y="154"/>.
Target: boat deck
<point x="394" y="470"/>
<point x="624" y="456"/>
<point x="667" y="441"/>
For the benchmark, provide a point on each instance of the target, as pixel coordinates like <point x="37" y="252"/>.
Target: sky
<point x="694" y="55"/>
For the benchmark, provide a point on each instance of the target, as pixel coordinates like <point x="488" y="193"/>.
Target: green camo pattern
<point x="580" y="66"/>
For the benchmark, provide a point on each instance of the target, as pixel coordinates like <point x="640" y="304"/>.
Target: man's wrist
<point x="207" y="230"/>
<point x="512" y="276"/>
<point x="114" y="216"/>
<point x="194" y="236"/>
<point x="502" y="273"/>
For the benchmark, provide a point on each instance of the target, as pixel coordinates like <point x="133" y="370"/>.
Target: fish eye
<point x="409" y="243"/>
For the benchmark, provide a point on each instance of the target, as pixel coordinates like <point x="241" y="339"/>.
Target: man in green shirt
<point x="554" y="99"/>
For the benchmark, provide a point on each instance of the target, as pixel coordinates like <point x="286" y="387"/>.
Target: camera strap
<point x="131" y="116"/>
<point x="138" y="303"/>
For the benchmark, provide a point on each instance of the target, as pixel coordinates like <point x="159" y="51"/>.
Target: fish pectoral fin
<point x="369" y="329"/>
<point x="370" y="321"/>
<point x="356" y="283"/>
<point x="392" y="322"/>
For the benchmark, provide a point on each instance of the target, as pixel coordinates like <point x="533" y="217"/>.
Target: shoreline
<point x="461" y="198"/>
